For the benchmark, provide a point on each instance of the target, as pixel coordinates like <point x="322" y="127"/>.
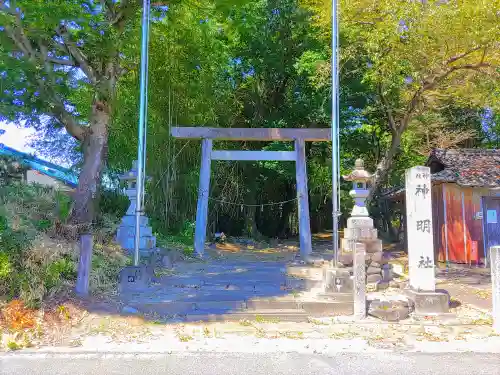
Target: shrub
<point x="35" y="262"/>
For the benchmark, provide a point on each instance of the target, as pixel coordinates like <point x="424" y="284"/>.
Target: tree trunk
<point x="384" y="167"/>
<point x="95" y="146"/>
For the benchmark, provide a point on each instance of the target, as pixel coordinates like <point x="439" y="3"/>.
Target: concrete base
<point x="429" y="303"/>
<point x="135" y="278"/>
<point x="337" y="280"/>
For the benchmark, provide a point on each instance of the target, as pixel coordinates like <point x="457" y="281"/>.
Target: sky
<point x="16" y="137"/>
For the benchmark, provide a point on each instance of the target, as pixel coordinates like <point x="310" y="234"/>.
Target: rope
<point x="251" y="205"/>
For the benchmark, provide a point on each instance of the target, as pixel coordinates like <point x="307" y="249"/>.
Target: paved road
<point x="254" y="364"/>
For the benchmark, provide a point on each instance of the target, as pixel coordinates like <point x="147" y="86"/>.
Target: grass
<point x="293" y="335"/>
<point x="317" y="322"/>
<point x="13" y="346"/>
<point x="185" y="338"/>
<point x="261" y="319"/>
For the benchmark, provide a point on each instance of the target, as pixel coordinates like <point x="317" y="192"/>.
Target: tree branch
<point x="432" y="82"/>
<point x="388" y="110"/>
<point x="64" y="62"/>
<point x="77" y="54"/>
<point x="455" y="58"/>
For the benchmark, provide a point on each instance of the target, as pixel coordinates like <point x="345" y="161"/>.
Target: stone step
<point x="253" y="316"/>
<point x="231" y="303"/>
<point x="327" y="308"/>
<point x="309" y="272"/>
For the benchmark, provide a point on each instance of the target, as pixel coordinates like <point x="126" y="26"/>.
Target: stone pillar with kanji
<point x="420" y="239"/>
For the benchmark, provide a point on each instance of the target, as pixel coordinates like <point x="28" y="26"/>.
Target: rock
<point x="391" y="315"/>
<point x="392" y="311"/>
<point x="382" y="285"/>
<point x="346" y="260"/>
<point x="387" y="272"/>
<point x="395" y="284"/>
<point x="373" y="270"/>
<point x="130" y="310"/>
<point x="166" y="261"/>
<point x="375" y="264"/>
<point x="380" y="257"/>
<point x="373" y="278"/>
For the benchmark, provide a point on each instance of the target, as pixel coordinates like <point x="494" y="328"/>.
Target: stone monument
<point x="125" y="235"/>
<point x="360" y="231"/>
<point x="420" y="238"/>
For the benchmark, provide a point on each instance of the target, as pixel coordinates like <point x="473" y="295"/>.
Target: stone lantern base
<point x="361" y="232"/>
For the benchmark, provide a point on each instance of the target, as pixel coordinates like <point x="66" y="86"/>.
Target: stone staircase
<point x="225" y="291"/>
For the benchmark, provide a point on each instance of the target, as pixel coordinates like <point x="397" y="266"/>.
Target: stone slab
<point x="360" y="234"/>
<point x="267" y="315"/>
<point x="327" y="308"/>
<point x="374" y="246"/>
<point x="360" y="222"/>
<point x="129" y="231"/>
<point x="135" y="278"/>
<point x="337" y="280"/>
<point x="146" y="244"/>
<point x="129" y="221"/>
<point x="429" y="303"/>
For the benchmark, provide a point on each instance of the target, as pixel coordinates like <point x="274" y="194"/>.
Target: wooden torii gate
<point x="299" y="136"/>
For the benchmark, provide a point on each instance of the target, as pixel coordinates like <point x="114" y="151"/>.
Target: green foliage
<point x="414" y="75"/>
<point x="35" y="263"/>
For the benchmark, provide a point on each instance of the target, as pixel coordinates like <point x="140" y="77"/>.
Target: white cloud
<point x="16" y="137"/>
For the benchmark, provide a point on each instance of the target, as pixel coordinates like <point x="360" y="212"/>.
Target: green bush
<point x="34" y="262"/>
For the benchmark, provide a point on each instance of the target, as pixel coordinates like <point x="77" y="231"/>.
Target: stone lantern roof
<point x="359" y="174"/>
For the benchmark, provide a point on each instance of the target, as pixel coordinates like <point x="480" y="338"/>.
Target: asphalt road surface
<point x="254" y="364"/>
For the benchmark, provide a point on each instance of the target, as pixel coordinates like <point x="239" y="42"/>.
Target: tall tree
<point x="61" y="61"/>
<point x="416" y="53"/>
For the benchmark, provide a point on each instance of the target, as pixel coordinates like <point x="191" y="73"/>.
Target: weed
<point x="13" y="346"/>
<point x="185" y="338"/>
<point x="206" y="332"/>
<point x="260" y="333"/>
<point x="245" y="323"/>
<point x="261" y="319"/>
<point x="487" y="321"/>
<point x="63" y="310"/>
<point x="75" y="343"/>
<point x="293" y="335"/>
<point x="317" y="322"/>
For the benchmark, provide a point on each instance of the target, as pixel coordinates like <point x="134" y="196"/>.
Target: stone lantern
<point x="360" y="190"/>
<point x="125" y="235"/>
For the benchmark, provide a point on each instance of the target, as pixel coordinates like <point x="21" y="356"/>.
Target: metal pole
<point x="335" y="133"/>
<point x="141" y="128"/>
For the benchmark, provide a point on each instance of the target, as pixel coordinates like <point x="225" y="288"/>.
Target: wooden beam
<point x="254" y="155"/>
<point x="253" y="134"/>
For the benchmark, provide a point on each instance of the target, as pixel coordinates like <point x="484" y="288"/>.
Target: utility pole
<point x="141" y="146"/>
<point x="335" y="132"/>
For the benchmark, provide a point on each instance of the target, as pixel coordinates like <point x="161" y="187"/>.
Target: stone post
<point x="420" y="240"/>
<point x="359" y="281"/>
<point x="495" y="285"/>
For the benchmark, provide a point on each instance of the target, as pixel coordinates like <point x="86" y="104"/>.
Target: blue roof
<point x="52" y="170"/>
